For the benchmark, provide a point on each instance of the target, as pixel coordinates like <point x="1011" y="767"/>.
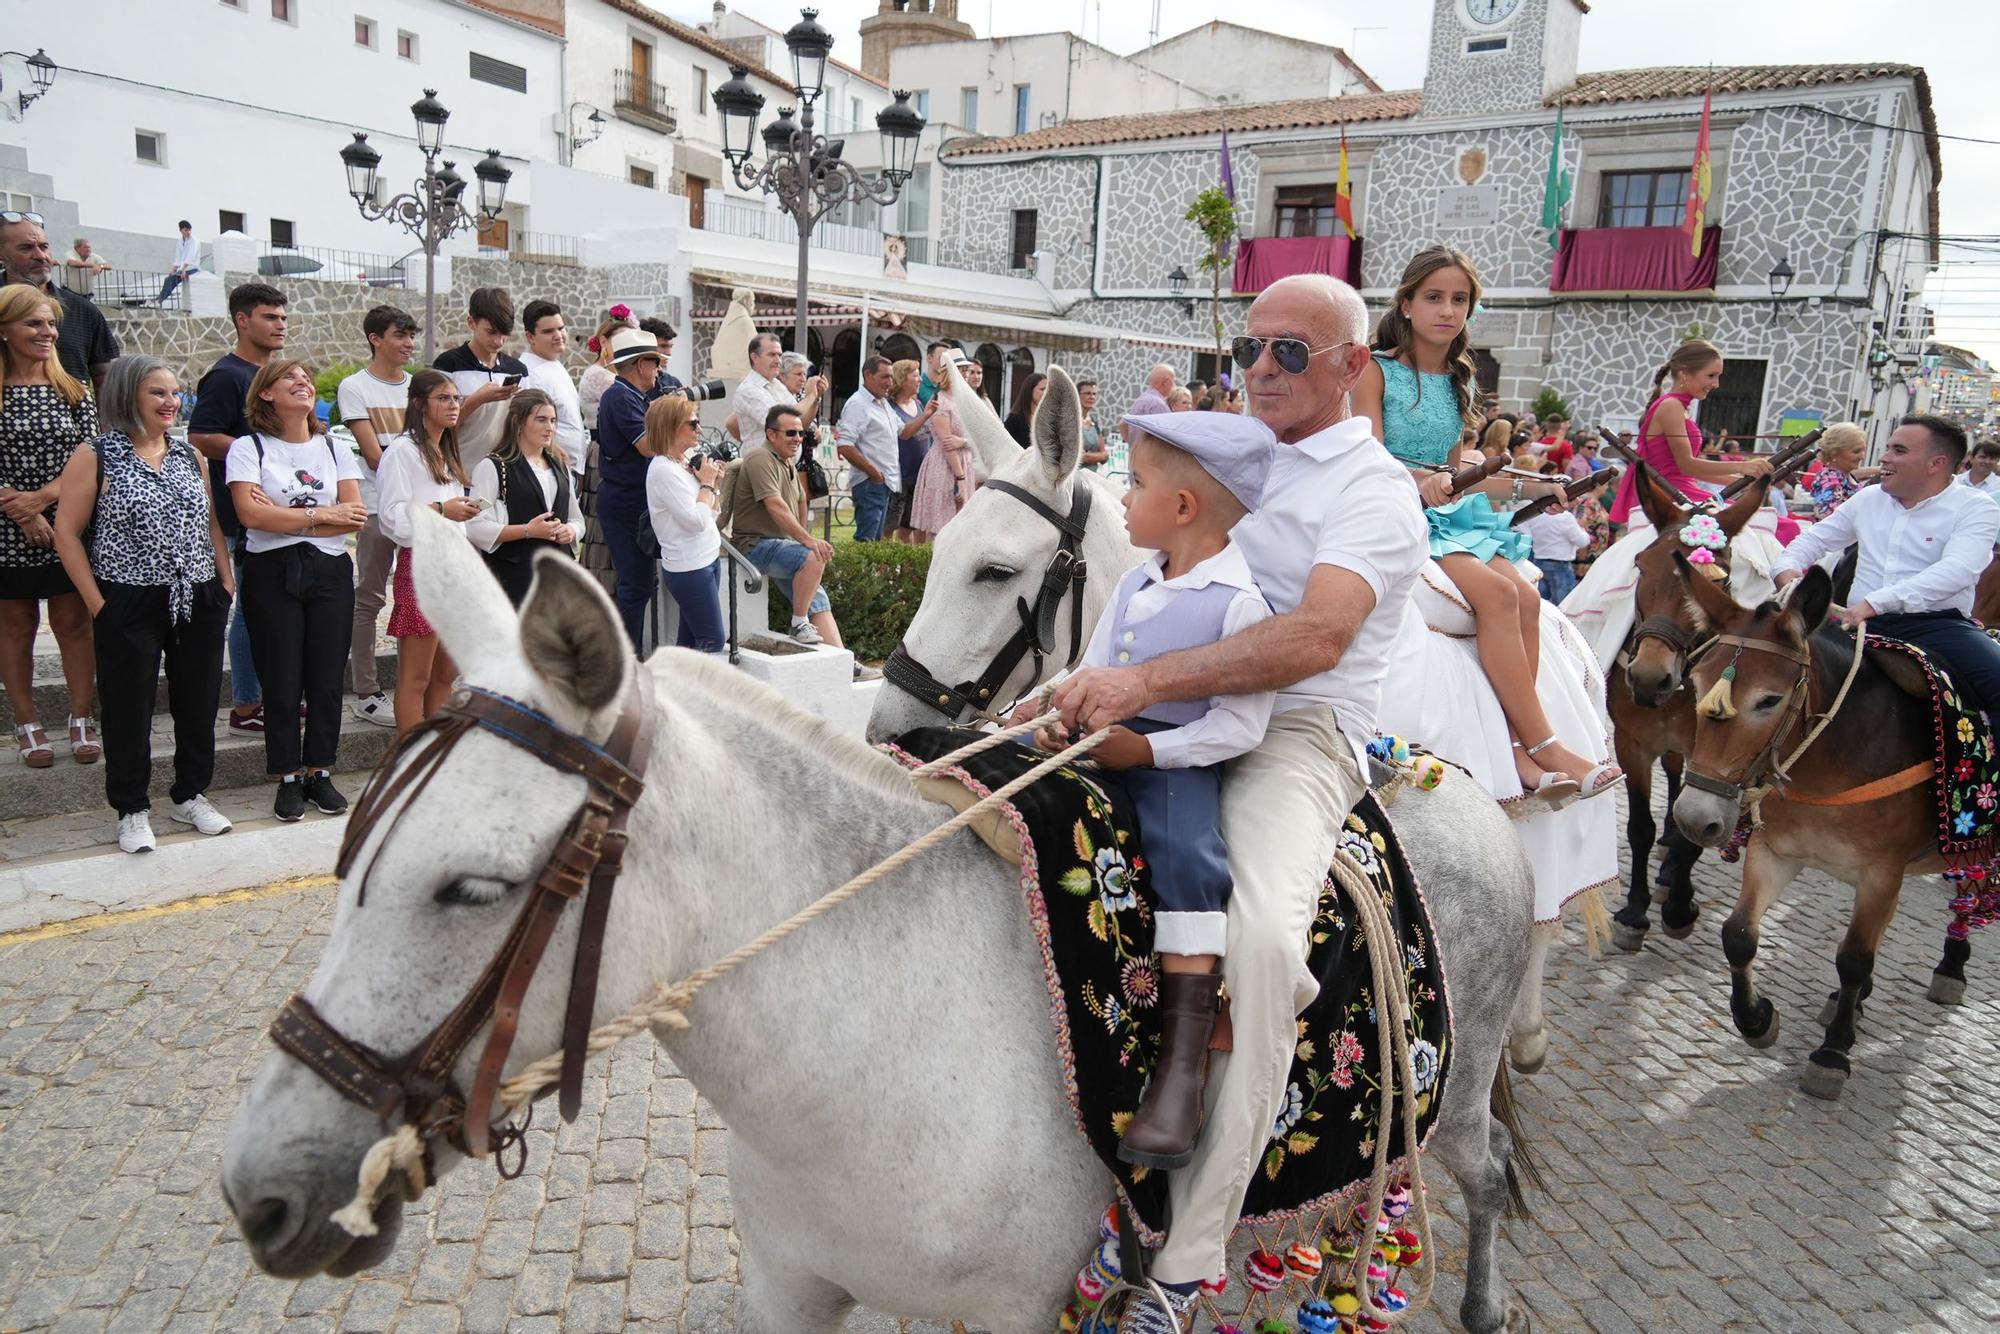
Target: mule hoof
<point x="1822" y="1081"/>
<point x="1770" y="1033"/>
<point x="1517" y="1319"/>
<point x="1944" y="990"/>
<point x="1677" y="930"/>
<point x="1630" y="939"/>
<point x="1529" y="1052"/>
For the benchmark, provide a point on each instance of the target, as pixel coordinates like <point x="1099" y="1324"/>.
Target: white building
<point x="146" y="125"/>
<point x="1240" y="64"/>
<point x="1012" y="85"/>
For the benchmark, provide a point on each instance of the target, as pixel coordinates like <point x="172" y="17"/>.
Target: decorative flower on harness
<point x="1704" y="536"/>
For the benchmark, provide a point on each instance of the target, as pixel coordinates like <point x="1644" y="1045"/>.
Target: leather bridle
<point x="1747" y="780"/>
<point x="420" y="1084"/>
<point x="1036" y="635"/>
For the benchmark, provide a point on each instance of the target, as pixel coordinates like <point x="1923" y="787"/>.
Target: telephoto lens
<point x="702" y="392"/>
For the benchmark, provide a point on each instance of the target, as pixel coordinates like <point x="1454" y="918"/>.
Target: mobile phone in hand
<point x="509" y="381"/>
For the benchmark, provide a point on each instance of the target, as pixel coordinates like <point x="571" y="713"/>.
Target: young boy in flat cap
<point x="1194" y="474"/>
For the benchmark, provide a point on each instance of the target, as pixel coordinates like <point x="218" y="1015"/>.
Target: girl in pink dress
<point x="946" y="480"/>
<point x="1670" y="442"/>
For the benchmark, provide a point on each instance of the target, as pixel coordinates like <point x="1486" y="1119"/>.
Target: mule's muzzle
<point x="1708" y="818"/>
<point x="287" y="1224"/>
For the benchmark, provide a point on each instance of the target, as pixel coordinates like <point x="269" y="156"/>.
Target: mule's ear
<point x="1810" y="601"/>
<point x="1712" y="607"/>
<point x="1740" y="509"/>
<point x="459" y="595"/>
<point x="571" y="634"/>
<point x="1058" y="428"/>
<point x="992" y="447"/>
<point x="1661" y="504"/>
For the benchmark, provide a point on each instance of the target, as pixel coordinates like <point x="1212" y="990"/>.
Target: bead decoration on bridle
<point x="420" y="1084"/>
<point x="1667" y="629"/>
<point x="1035" y="636"/>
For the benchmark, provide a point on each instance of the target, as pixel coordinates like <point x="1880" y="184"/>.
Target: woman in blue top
<point x="1418" y="393"/>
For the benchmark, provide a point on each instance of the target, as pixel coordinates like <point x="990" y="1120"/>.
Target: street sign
<point x="1468" y="206"/>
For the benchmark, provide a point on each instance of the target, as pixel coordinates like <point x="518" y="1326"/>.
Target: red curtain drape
<point x="1634" y="259"/>
<point x="1263" y="260"/>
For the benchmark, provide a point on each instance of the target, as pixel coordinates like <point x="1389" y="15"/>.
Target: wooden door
<point x="642" y="73"/>
<point x="697" y="189"/>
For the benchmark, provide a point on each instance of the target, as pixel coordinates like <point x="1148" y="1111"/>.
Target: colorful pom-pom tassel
<point x="1303" y="1259"/>
<point x="1396" y="1201"/>
<point x="1317" y="1317"/>
<point x="1264" y="1270"/>
<point x="1274" y="1326"/>
<point x="1412" y="1245"/>
<point x="1346" y="1302"/>
<point x="1377" y="1271"/>
<point x="1430" y="772"/>
<point x="1390" y="1250"/>
<point x="1216" y="1286"/>
<point x="1392" y="1300"/>
<point x="1107" y="1226"/>
<point x="1105" y="1261"/>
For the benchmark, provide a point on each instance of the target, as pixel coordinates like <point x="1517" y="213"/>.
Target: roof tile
<point x="1301" y="113"/>
<point x="1642" y="85"/>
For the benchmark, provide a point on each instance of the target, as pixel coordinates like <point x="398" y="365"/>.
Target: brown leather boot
<point x="1162" y="1134"/>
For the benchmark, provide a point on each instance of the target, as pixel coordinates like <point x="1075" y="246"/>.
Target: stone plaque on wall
<point x="1468" y="206"/>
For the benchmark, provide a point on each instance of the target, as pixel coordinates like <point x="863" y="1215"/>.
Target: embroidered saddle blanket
<point x="1092" y="913"/>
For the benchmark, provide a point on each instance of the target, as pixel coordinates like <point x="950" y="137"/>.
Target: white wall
<point x="1068" y="79"/>
<point x="1227" y="60"/>
<point x="255" y="111"/>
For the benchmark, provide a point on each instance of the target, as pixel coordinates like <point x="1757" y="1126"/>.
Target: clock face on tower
<point x="1491" y="11"/>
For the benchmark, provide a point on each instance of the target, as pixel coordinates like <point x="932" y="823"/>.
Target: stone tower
<point x="1500" y="55"/>
<point x="900" y="23"/>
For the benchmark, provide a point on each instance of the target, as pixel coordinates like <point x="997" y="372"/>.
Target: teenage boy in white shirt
<point x="548" y="341"/>
<point x="372" y="402"/>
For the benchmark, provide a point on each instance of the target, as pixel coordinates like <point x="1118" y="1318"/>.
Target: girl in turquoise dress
<point x="1418" y="393"/>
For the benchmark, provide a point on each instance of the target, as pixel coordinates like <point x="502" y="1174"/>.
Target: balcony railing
<point x="338" y="266"/>
<point x="135" y="287"/>
<point x="535" y="248"/>
<point x="918" y="249"/>
<point x="733" y="216"/>
<point x="642" y="101"/>
<point x="1635" y="259"/>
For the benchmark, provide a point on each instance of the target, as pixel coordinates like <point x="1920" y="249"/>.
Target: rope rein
<point x="403" y="1149"/>
<point x="1781" y="770"/>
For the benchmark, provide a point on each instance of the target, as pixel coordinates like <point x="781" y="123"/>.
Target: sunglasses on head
<point x="10" y="215"/>
<point x="1291" y="354"/>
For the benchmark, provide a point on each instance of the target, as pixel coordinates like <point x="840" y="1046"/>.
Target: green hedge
<point x="876" y="588"/>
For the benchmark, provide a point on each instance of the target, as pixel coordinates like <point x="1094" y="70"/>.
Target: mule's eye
<point x="994" y="574"/>
<point x="470" y="891"/>
<point x="1768" y="701"/>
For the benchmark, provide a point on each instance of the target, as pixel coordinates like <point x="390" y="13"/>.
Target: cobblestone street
<point x="1690" y="1184"/>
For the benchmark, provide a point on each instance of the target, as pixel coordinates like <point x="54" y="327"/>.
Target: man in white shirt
<point x="80" y="270"/>
<point x="187" y="260"/>
<point x="866" y="438"/>
<point x="759" y="391"/>
<point x="1980" y="468"/>
<point x="1336" y="548"/>
<point x="1924" y="544"/>
<point x="372" y="402"/>
<point x="548" y="340"/>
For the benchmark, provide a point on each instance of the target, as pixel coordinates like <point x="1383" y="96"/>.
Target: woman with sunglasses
<point x="682" y="502"/>
<point x="1418" y="392"/>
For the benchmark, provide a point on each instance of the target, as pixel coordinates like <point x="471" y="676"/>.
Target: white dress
<point x="1438" y="697"/>
<point x="1604" y="605"/>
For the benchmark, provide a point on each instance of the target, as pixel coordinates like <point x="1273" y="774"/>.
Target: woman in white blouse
<point x="421" y="468"/>
<point x="683" y="503"/>
<point x="525" y="493"/>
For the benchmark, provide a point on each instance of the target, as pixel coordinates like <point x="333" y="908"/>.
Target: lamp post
<point x="41" y="71"/>
<point x="1781" y="282"/>
<point x="434" y="211"/>
<point x="1177" y="282"/>
<point x="802" y="169"/>
<point x="594" y="126"/>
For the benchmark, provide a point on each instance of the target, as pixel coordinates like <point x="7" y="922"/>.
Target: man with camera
<point x="766" y="524"/>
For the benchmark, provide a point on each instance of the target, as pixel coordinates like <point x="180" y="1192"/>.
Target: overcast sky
<point x="1956" y="41"/>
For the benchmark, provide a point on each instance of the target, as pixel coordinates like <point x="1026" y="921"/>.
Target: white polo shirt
<point x="1922" y="557"/>
<point x="1337" y="498"/>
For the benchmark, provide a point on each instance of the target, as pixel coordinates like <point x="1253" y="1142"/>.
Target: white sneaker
<point x="375" y="708"/>
<point x="197" y="812"/>
<point x="803" y="633"/>
<point x="135" y="832"/>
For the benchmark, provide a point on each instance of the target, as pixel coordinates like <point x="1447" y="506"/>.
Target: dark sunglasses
<point x="793" y="435"/>
<point x="1291" y="354"/>
<point x="9" y="215"/>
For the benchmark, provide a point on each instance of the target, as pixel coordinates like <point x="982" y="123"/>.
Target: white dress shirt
<point x="1922" y="557"/>
<point x="870" y="425"/>
<point x="187" y="254"/>
<point x="1337" y="498"/>
<point x="1234" y="723"/>
<point x="552" y="378"/>
<point x="685" y="526"/>
<point x="1557" y="535"/>
<point x="755" y="397"/>
<point x="1991" y="486"/>
<point x="483" y="530"/>
<point x="403" y="480"/>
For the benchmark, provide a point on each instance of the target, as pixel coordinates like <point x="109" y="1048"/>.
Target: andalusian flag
<point x="1343" y="190"/>
<point x="1555" y="193"/>
<point x="1700" y="183"/>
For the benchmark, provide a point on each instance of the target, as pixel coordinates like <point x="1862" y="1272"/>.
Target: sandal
<point x="1557" y="789"/>
<point x="36" y="752"/>
<point x="84" y="747"/>
<point x="1600" y="780"/>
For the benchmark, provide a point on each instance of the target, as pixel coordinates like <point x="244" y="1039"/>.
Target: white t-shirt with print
<point x="381" y="404"/>
<point x="295" y="476"/>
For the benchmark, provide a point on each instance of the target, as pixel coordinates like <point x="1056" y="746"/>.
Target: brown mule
<point x="1857" y="804"/>
<point x="1651" y="708"/>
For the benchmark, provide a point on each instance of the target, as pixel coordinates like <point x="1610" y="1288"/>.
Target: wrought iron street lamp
<point x="1781" y="282"/>
<point x="1177" y="282"/>
<point x="434" y="211"/>
<point x="41" y="72"/>
<point x="804" y="170"/>
<point x="594" y="124"/>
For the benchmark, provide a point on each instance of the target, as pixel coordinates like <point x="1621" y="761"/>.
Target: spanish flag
<point x="1343" y="192"/>
<point x="1700" y="183"/>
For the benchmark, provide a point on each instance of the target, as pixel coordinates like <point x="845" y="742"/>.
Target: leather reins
<point x="1067" y="570"/>
<point x="585" y="863"/>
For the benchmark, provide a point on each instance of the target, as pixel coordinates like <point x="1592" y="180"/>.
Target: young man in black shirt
<point x="485" y="375"/>
<point x="258" y="311"/>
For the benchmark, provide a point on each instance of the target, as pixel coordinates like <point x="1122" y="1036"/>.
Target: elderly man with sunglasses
<point x="1336" y="546"/>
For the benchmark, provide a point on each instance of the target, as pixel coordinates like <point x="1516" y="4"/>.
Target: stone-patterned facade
<point x="975" y="225"/>
<point x="325" y="317"/>
<point x="1405" y="175"/>
<point x="1797" y="181"/>
<point x="1146" y="232"/>
<point x="1460" y="85"/>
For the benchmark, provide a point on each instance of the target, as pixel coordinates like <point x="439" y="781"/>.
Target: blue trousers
<point x="871" y="509"/>
<point x="1180" y="836"/>
<point x="1961" y="647"/>
<point x="620" y="514"/>
<point x="1558" y="577"/>
<point x="694" y="592"/>
<point x="244" y="688"/>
